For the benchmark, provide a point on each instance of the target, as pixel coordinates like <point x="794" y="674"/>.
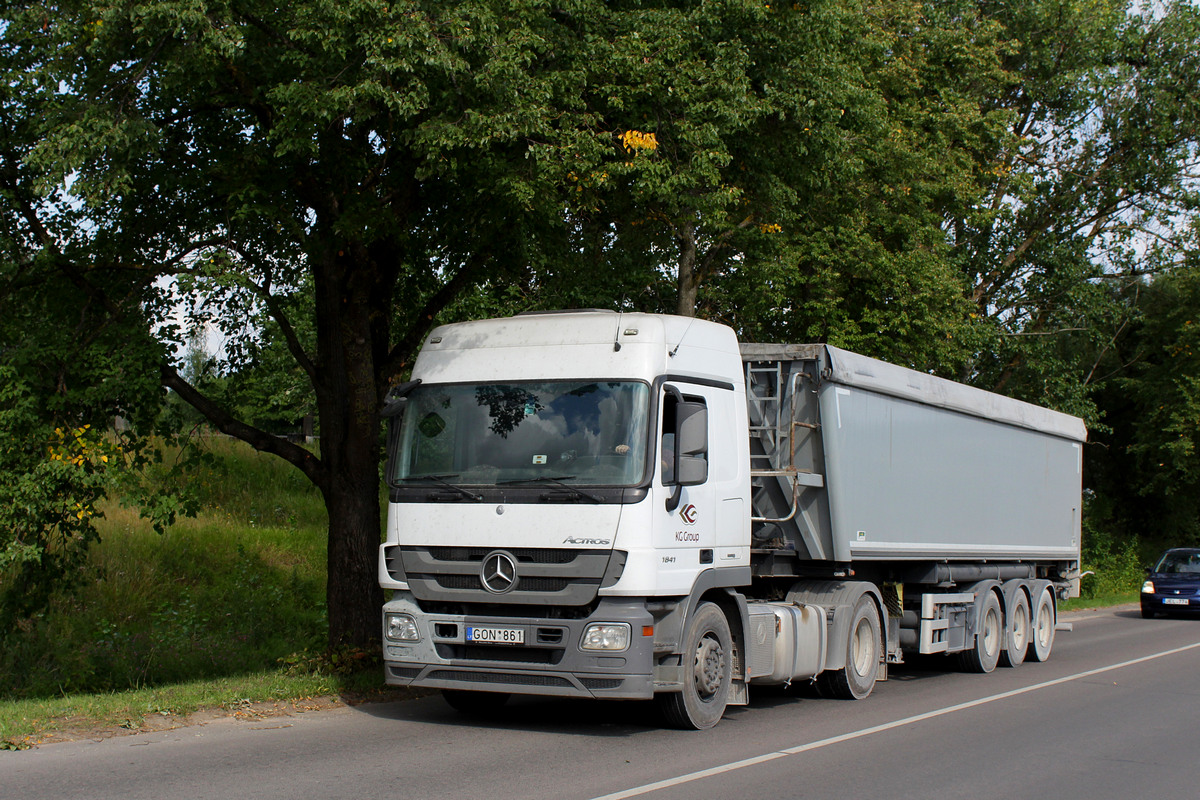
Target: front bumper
<point x="550" y="662"/>
<point x="1170" y="603"/>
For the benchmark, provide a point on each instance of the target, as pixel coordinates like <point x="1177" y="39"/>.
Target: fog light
<point x="605" y="636"/>
<point x="401" y="628"/>
<point x="1148" y="587"/>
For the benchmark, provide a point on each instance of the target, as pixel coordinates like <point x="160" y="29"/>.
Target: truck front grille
<point x="544" y="576"/>
<point x="523" y="555"/>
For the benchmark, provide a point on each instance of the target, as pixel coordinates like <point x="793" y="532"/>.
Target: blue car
<point x="1173" y="584"/>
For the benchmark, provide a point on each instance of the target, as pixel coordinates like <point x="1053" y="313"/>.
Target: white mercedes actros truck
<point x="610" y="505"/>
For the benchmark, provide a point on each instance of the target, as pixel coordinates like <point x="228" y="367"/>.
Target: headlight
<point x="1148" y="587"/>
<point x="401" y="628"/>
<point x="605" y="636"/>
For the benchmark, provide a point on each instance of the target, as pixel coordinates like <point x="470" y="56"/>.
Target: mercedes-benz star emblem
<point x="499" y="572"/>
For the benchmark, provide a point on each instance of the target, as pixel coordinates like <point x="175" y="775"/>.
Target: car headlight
<point x="401" y="628"/>
<point x="1148" y="587"/>
<point x="605" y="636"/>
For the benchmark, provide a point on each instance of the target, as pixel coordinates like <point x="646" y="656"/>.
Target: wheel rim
<point x="863" y="648"/>
<point x="1020" y="630"/>
<point x="709" y="668"/>
<point x="1045" y="624"/>
<point x="991" y="632"/>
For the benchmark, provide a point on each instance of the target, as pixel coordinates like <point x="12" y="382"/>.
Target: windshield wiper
<point x="441" y="481"/>
<point x="555" y="483"/>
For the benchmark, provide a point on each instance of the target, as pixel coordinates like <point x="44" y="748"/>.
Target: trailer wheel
<point x="989" y="638"/>
<point x="476" y="704"/>
<point x="856" y="680"/>
<point x="707" y="674"/>
<point x="1043" y="627"/>
<point x="1019" y="625"/>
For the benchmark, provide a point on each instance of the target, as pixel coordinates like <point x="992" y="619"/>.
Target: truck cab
<point x="562" y="487"/>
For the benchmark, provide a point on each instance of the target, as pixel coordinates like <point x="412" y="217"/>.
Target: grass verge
<point x="27" y="723"/>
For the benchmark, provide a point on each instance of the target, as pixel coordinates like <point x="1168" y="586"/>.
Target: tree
<point x="371" y="153"/>
<point x="365" y="166"/>
<point x="1145" y="464"/>
<point x="68" y="366"/>
<point x="336" y="178"/>
<point x="1098" y="165"/>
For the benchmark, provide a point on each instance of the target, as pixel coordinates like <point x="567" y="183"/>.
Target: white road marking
<point x="846" y="737"/>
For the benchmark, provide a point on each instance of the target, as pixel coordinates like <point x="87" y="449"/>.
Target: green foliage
<point x="1145" y="465"/>
<point x="50" y="483"/>
<point x="1096" y="165"/>
<point x="233" y="591"/>
<point x="1117" y="566"/>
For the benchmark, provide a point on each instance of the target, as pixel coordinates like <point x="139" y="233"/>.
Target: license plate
<point x="1175" y="601"/>
<point x="496" y="635"/>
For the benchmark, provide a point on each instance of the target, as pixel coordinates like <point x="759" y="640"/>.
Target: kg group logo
<point x="688" y="514"/>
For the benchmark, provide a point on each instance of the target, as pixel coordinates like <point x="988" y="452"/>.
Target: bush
<point x="1116" y="564"/>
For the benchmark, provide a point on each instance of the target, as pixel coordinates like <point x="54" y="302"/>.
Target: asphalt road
<point x="1113" y="714"/>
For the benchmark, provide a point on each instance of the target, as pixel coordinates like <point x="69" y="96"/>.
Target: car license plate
<point x="1175" y="601"/>
<point x="496" y="635"/>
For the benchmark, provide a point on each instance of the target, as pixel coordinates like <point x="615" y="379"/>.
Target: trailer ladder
<point x="775" y="479"/>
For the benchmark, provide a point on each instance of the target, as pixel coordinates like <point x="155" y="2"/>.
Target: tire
<point x="1148" y="613"/>
<point x="475" y="704"/>
<point x="1044" y="619"/>
<point x="707" y="674"/>
<point x="856" y="680"/>
<point x="1020" y="624"/>
<point x="989" y="638"/>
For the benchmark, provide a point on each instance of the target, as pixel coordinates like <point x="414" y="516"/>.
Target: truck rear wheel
<point x="1019" y="625"/>
<point x="989" y="638"/>
<point x="707" y="672"/>
<point x="1043" y="627"/>
<point x="856" y="680"/>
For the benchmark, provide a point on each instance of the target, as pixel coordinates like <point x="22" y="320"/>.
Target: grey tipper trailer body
<point x="955" y="510"/>
<point x="636" y="506"/>
<point x="882" y="463"/>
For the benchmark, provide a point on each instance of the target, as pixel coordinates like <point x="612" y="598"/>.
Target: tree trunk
<point x="689" y="281"/>
<point x="353" y="596"/>
<point x="352" y="310"/>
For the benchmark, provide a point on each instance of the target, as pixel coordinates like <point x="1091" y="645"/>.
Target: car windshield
<point x="1179" y="561"/>
<point x="572" y="432"/>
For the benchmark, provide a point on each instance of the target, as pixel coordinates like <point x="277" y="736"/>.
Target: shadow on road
<point x="531" y="714"/>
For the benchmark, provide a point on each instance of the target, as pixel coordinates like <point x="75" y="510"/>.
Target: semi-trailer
<point x="617" y="505"/>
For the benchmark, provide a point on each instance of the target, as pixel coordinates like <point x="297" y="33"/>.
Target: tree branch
<point x="260" y="440"/>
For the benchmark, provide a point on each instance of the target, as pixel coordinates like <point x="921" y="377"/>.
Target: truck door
<point x="684" y="497"/>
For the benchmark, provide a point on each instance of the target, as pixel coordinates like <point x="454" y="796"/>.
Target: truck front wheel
<point x="856" y="680"/>
<point x="707" y="672"/>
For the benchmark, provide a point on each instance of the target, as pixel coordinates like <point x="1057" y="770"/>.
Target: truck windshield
<point x="580" y="433"/>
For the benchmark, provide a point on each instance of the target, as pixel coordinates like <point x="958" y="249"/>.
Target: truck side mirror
<point x="691" y="448"/>
<point x="691" y="423"/>
<point x="691" y="442"/>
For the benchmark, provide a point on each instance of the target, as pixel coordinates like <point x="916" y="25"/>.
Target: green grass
<point x="1100" y="601"/>
<point x="224" y="609"/>
<point x="26" y="722"/>
<point x="229" y="592"/>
